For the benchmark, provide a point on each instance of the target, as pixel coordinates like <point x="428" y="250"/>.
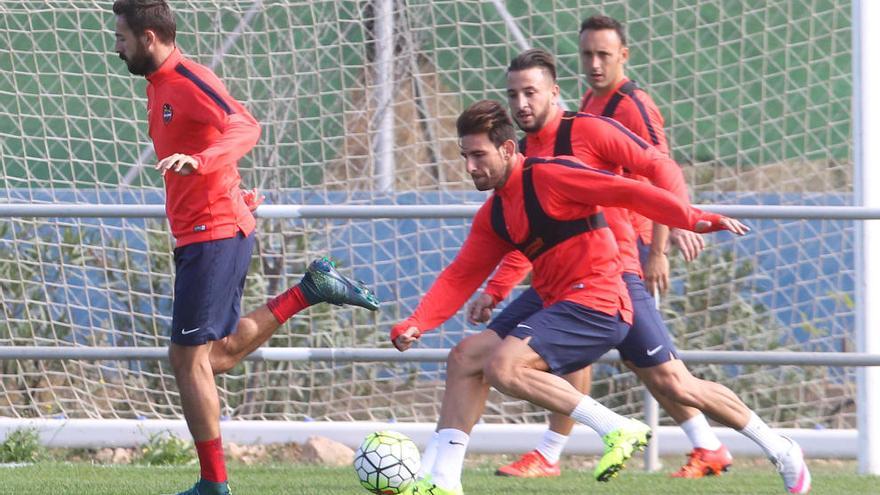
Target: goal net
<point x="756" y="98"/>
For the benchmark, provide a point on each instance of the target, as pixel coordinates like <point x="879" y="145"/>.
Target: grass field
<point x="84" y="479"/>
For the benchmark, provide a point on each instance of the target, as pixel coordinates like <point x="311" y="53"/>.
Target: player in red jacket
<point x="548" y="210"/>
<point x="604" y="52"/>
<point x="647" y="348"/>
<point x="199" y="133"/>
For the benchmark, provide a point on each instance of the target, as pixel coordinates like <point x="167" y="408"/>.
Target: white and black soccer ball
<point x="387" y="462"/>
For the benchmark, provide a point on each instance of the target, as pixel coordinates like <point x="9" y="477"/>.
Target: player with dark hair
<point x="647" y="348"/>
<point x="548" y="210"/>
<point x="199" y="133"/>
<point x="603" y="53"/>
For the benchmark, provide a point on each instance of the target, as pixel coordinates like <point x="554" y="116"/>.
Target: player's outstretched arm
<point x="479" y="255"/>
<point x="564" y="186"/>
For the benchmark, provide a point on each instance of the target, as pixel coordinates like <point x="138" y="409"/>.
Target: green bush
<point x="165" y="449"/>
<point x="22" y="446"/>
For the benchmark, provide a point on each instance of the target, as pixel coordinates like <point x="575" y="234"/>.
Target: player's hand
<point x="480" y="310"/>
<point x="725" y="223"/>
<point x="657" y="273"/>
<point x="689" y="243"/>
<point x="179" y="163"/>
<point x="252" y="198"/>
<point x="405" y="340"/>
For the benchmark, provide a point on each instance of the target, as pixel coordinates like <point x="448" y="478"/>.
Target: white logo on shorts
<point x="655" y="350"/>
<point x="525" y="326"/>
<point x="187" y="332"/>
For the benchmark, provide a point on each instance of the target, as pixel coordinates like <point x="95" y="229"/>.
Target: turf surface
<point x="85" y="479"/>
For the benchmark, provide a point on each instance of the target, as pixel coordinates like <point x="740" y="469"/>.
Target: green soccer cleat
<point x="204" y="487"/>
<point x="322" y="283"/>
<point x="620" y="445"/>
<point x="425" y="486"/>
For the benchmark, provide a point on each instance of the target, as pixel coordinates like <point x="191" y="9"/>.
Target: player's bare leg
<point x="321" y="283"/>
<point x="517" y="370"/>
<point x="253" y="330"/>
<point x="201" y="408"/>
<point x="673" y="380"/>
<point x="709" y="456"/>
<point x="464" y="378"/>
<point x="443" y="458"/>
<point x="198" y="392"/>
<point x="543" y="461"/>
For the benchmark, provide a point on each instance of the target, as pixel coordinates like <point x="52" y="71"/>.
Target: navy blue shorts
<point x="569" y="336"/>
<point x="208" y="285"/>
<point x="527" y="304"/>
<point x="648" y="342"/>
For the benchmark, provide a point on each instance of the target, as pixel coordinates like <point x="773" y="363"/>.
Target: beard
<point x="140" y="63"/>
<point x="537" y="123"/>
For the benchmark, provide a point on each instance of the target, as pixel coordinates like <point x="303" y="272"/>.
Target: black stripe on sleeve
<point x="646" y="118"/>
<point x="565" y="163"/>
<point x="208" y="90"/>
<point x="641" y="142"/>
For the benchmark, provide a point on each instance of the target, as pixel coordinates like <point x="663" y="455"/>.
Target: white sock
<point x="451" y="447"/>
<point x="428" y="456"/>
<point x="771" y="442"/>
<point x="598" y="417"/>
<point x="700" y="433"/>
<point x="551" y="446"/>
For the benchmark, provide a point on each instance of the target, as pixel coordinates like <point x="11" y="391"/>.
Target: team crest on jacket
<point x="167" y="113"/>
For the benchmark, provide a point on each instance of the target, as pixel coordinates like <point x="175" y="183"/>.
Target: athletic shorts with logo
<point x="208" y="286"/>
<point x="569" y="336"/>
<point x="648" y="342"/>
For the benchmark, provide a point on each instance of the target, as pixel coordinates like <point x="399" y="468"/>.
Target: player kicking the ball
<point x="549" y="210"/>
<point x="647" y="348"/>
<point x="199" y="132"/>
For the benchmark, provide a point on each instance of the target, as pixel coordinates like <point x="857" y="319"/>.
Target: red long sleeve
<point x="239" y="134"/>
<point x="569" y="192"/>
<point x="606" y="138"/>
<point x="512" y="270"/>
<point x="481" y="252"/>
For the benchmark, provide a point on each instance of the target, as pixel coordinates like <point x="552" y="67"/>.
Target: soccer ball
<point x="387" y="462"/>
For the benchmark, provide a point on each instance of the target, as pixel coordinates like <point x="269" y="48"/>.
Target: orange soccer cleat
<point x="531" y="465"/>
<point x="702" y="462"/>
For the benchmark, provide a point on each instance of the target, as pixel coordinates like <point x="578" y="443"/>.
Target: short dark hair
<point x="486" y="117"/>
<point x="532" y="58"/>
<point x="601" y="22"/>
<point x="154" y="15"/>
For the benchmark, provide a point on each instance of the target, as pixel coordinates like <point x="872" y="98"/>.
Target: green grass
<point x="84" y="479"/>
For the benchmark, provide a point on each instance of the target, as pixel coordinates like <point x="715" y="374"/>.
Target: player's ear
<point x="149" y="38"/>
<point x="624" y="53"/>
<point x="508" y="149"/>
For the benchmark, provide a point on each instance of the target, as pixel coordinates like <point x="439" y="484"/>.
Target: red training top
<point x="190" y="112"/>
<point x="634" y="108"/>
<point x="584" y="269"/>
<point x="604" y="144"/>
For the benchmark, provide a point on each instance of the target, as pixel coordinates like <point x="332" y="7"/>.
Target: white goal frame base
<point x="485" y="438"/>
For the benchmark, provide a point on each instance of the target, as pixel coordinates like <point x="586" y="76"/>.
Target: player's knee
<point x="500" y="372"/>
<point x="464" y="359"/>
<point x="188" y="360"/>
